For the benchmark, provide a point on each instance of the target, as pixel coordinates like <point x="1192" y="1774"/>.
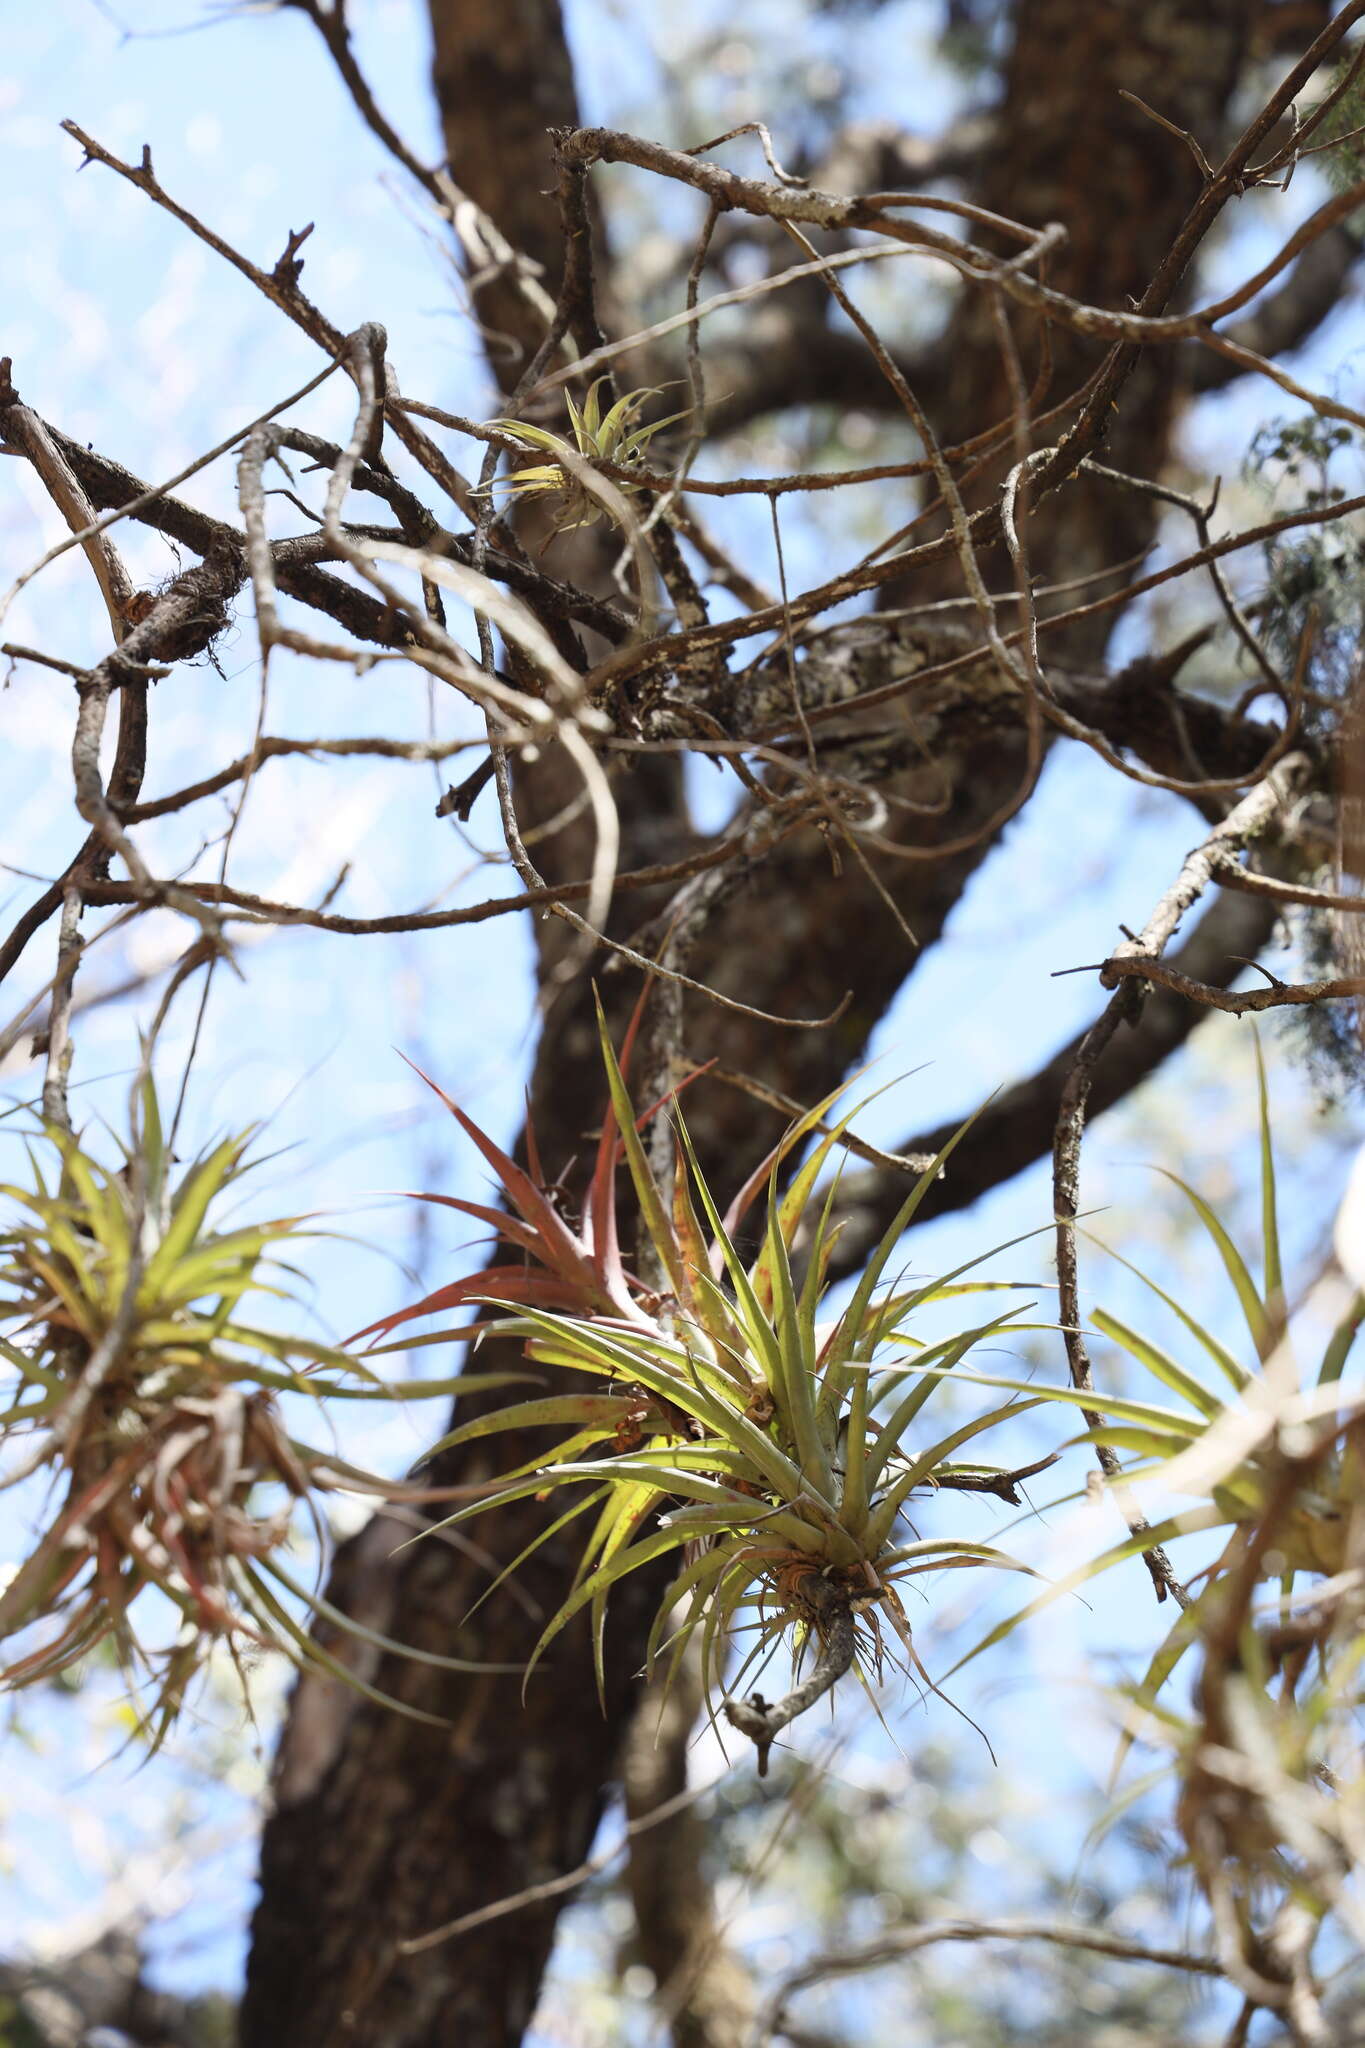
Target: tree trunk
<point x="386" y="1827"/>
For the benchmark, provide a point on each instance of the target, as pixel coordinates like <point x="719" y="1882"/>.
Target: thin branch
<point x="1237" y="1002"/>
<point x="1229" y="874"/>
<point x="58" y="1033"/>
<point x="1019" y="1126"/>
<point x="554" y="1887"/>
<point x="651" y="655"/>
<point x="825" y="210"/>
<point x="763" y="1721"/>
<point x="546" y="895"/>
<point x="897" y="1943"/>
<point x="56" y="460"/>
<point x="1249" y="820"/>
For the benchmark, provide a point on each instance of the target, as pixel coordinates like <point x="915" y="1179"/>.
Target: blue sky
<point x="128" y="334"/>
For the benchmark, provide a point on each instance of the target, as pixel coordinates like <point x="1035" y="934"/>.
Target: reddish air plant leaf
<point x="600" y="1218"/>
<point x="599" y="1215"/>
<point x="492" y="1284"/>
<point x="513" y="1231"/>
<point x="531" y="1202"/>
<point x="582" y="1270"/>
<point x="654" y="1215"/>
<point x="532" y="1144"/>
<point x="601" y="1237"/>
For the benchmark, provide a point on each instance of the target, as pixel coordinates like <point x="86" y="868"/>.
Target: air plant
<point x="1266" y="1755"/>
<point x="1236" y="1440"/>
<point x="597" y="437"/>
<point x="771" y="1452"/>
<point x="1265" y="1752"/>
<point x="1279" y="1461"/>
<point x="1257" y="1437"/>
<point x="151" y="1404"/>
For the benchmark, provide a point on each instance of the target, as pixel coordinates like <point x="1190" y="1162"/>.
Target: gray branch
<point x="763" y="1723"/>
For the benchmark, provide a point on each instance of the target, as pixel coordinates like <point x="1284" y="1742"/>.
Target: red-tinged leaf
<point x="602" y="1206"/>
<point x="525" y="1235"/>
<point x="601" y="1213"/>
<point x="496" y="1283"/>
<point x="611" y="1264"/>
<point x="671" y="1094"/>
<point x="600" y="1231"/>
<point x="637" y="1017"/>
<point x="577" y="1268"/>
<point x="521" y="1191"/>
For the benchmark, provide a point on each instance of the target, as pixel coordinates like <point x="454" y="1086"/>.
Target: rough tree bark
<point x="385" y="1827"/>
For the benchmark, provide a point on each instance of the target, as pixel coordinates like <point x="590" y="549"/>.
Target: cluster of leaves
<point x="1268" y="1756"/>
<point x="771" y="1450"/>
<point x="1271" y="1775"/>
<point x="150" y="1404"/>
<point x="613" y="437"/>
<point x="773" y="1453"/>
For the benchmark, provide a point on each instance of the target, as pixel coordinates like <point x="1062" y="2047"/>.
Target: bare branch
<point x="898" y="1943"/>
<point x="1318" y="286"/>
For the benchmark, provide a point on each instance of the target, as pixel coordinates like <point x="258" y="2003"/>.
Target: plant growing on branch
<point x="611" y="437"/>
<point x="1269" y="1765"/>
<point x="772" y="1449"/>
<point x="1227" y="1442"/>
<point x="1267" y="1754"/>
<point x="143" y="1388"/>
<point x="704" y="1404"/>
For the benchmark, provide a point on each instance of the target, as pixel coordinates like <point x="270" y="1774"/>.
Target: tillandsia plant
<point x="152" y="1406"/>
<point x="1233" y="1435"/>
<point x="612" y="437"/>
<point x="1269" y="1762"/>
<point x="1266" y="1753"/>
<point x="1249" y="1435"/>
<point x="770" y="1450"/>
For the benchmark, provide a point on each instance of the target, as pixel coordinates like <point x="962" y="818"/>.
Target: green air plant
<point x="1270" y="1446"/>
<point x="1264" y="1448"/>
<point x="1265" y="1436"/>
<point x="611" y="437"/>
<point x="1266" y="1753"/>
<point x="770" y="1451"/>
<point x="137" y="1387"/>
